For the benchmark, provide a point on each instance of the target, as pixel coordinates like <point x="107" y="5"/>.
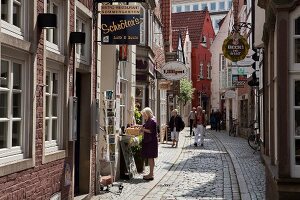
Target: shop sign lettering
<point x="235" y="47"/>
<point x="174" y="70"/>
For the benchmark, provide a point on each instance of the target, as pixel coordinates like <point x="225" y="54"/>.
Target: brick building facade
<point x="37" y="160"/>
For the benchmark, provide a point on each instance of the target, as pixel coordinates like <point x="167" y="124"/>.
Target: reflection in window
<point x="3" y="134"/>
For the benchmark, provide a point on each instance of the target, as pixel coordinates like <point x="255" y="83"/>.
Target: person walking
<point x="149" y="142"/>
<point x="176" y="124"/>
<point x="204" y="124"/>
<point x="200" y="122"/>
<point x="212" y="120"/>
<point x="191" y="120"/>
<point x="218" y="117"/>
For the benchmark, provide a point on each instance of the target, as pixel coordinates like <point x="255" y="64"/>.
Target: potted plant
<point x="136" y="148"/>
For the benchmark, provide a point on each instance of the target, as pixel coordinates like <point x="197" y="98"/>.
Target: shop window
<point x="12" y="17"/>
<point x="53" y="109"/>
<point x="12" y="110"/>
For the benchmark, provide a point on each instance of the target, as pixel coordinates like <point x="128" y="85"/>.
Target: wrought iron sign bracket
<point x="240" y="25"/>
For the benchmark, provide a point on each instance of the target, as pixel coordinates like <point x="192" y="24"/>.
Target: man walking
<point x="191" y="119"/>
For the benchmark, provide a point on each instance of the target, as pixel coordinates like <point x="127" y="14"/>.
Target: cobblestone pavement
<point x="208" y="172"/>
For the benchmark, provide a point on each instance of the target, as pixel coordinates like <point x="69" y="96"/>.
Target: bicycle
<point x="254" y="140"/>
<point x="233" y="127"/>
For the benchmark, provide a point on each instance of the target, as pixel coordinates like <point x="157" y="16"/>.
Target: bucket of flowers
<point x="136" y="148"/>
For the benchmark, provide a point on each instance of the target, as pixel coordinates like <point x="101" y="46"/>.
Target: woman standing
<point x="149" y="142"/>
<point x="200" y="122"/>
<point x="176" y="125"/>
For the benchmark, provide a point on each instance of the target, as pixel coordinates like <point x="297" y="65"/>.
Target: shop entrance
<point x="82" y="144"/>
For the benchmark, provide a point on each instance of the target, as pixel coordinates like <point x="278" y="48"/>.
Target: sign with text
<point x="242" y="70"/>
<point x="174" y="70"/>
<point x="120" y="24"/>
<point x="239" y="80"/>
<point x="235" y="47"/>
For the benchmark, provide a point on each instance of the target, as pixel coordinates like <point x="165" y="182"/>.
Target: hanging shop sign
<point x="235" y="47"/>
<point x="230" y="94"/>
<point x="239" y="80"/>
<point x="174" y="70"/>
<point x="242" y="70"/>
<point x="120" y="24"/>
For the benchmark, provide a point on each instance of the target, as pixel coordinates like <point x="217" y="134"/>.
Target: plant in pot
<point x="136" y="148"/>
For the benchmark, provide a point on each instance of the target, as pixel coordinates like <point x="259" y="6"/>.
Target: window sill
<point x="54" y="156"/>
<point x="55" y="56"/>
<point x="16" y="166"/>
<point x="15" y="42"/>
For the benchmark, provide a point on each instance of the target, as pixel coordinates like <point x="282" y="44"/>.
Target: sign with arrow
<point x="245" y="62"/>
<point x="242" y="70"/>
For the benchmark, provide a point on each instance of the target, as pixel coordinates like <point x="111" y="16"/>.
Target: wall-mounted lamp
<point x="47" y="20"/>
<point x="77" y="37"/>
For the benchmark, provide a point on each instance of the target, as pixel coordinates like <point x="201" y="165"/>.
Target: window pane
<point x="203" y="6"/>
<point x="229" y="4"/>
<point x="55" y="31"/>
<point x="222" y="6"/>
<point x="297" y="50"/>
<point x="17" y="14"/>
<point x="297" y="93"/>
<point x="16" y="134"/>
<point x="82" y="45"/>
<point x="178" y="8"/>
<point x="54" y="129"/>
<point x="297" y="26"/>
<point x="213" y="6"/>
<point x="187" y="8"/>
<point x="55" y="83"/>
<point x="195" y="7"/>
<point x="47" y="105"/>
<point x="3" y="134"/>
<point x="4" y="74"/>
<point x="297" y="151"/>
<point x="3" y="105"/>
<point x="54" y="106"/>
<point x="17" y="105"/>
<point x="46" y="130"/>
<point x="47" y="82"/>
<point x="17" y="76"/>
<point x="4" y="10"/>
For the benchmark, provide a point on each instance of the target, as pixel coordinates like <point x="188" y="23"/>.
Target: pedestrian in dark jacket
<point x="176" y="125"/>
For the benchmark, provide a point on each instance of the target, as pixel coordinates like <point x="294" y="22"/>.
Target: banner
<point x="120" y="24"/>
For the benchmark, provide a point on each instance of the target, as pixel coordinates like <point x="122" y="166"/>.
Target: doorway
<point x="83" y="142"/>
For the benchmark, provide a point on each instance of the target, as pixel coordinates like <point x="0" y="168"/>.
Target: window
<point x="222" y="5"/>
<point x="217" y="21"/>
<point x="201" y="71"/>
<point x="187" y="8"/>
<point x="142" y="25"/>
<point x="123" y="100"/>
<point x="53" y="36"/>
<point x="297" y="40"/>
<point x="53" y="109"/>
<point x="83" y="50"/>
<point x="203" y="6"/>
<point x="178" y="8"/>
<point x="12" y="17"/>
<point x="208" y="71"/>
<point x="222" y="62"/>
<point x="229" y="4"/>
<point x="213" y="6"/>
<point x="195" y="7"/>
<point x="12" y="110"/>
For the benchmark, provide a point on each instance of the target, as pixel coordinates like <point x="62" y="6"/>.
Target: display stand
<point x="110" y="124"/>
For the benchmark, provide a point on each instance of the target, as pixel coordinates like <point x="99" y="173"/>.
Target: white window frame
<point x="194" y="6"/>
<point x="54" y="145"/>
<point x="220" y="5"/>
<point x="187" y="6"/>
<point x="208" y="71"/>
<point x="213" y="3"/>
<point x="293" y="76"/>
<point x="201" y="71"/>
<point x="203" y="5"/>
<point x="178" y="8"/>
<point x="8" y="27"/>
<point x="16" y="153"/>
<point x="56" y="48"/>
<point x="81" y="19"/>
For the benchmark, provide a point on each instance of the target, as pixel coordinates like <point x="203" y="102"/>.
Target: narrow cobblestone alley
<point x="225" y="168"/>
